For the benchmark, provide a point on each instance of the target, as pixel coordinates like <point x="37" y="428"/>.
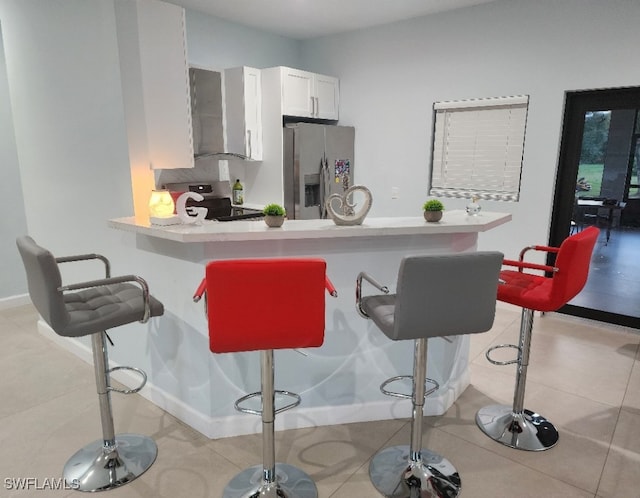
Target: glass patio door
<point x="597" y="184"/>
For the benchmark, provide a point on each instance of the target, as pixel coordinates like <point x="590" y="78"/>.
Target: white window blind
<point x="477" y="148"/>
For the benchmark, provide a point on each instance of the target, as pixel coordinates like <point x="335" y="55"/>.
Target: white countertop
<point x="455" y="221"/>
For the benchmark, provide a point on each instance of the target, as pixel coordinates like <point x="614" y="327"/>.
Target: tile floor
<point x="614" y="275"/>
<point x="584" y="376"/>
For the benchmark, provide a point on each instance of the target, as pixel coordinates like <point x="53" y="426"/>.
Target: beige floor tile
<point x="581" y="373"/>
<point x="34" y="377"/>
<point x="506" y="318"/>
<point x="575" y="356"/>
<point x="632" y="396"/>
<point x="585" y="428"/>
<point x="621" y="477"/>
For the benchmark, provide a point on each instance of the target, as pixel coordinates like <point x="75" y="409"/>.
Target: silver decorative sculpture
<point x="341" y="207"/>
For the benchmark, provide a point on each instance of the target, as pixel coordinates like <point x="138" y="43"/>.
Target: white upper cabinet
<point x="309" y="95"/>
<point x="164" y="80"/>
<point x="327" y="92"/>
<point x="242" y="97"/>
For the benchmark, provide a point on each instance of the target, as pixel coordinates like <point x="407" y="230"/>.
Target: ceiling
<point x="302" y="19"/>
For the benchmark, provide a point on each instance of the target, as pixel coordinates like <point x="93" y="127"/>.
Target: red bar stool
<point x="514" y="426"/>
<point x="297" y="321"/>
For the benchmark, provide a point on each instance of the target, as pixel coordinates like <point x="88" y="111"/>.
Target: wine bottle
<point x="238" y="193"/>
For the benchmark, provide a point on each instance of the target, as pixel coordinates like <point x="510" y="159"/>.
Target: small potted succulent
<point x="274" y="215"/>
<point x="433" y="210"/>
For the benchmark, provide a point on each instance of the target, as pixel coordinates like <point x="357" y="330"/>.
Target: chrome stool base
<point x="96" y="468"/>
<point x="290" y="482"/>
<point x="524" y="431"/>
<point x="395" y="476"/>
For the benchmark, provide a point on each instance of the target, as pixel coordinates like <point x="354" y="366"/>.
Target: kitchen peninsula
<point x="339" y="381"/>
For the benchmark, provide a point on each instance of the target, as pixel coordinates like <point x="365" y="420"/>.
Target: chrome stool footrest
<point x="403" y="395"/>
<point x="500" y="346"/>
<point x="140" y="372"/>
<point x="294" y="396"/>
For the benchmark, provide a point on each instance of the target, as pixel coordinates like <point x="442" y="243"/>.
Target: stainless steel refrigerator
<point x="318" y="162"/>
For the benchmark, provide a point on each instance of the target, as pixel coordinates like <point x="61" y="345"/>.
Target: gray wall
<point x="390" y="77"/>
<point x="12" y="222"/>
<point x="64" y="81"/>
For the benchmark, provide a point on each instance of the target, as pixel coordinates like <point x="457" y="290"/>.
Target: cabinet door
<point x="165" y="84"/>
<point x="253" y="113"/>
<point x="327" y="97"/>
<point x="243" y="111"/>
<point x="297" y="93"/>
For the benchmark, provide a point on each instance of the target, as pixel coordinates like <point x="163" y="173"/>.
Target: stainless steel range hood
<point x="207" y="115"/>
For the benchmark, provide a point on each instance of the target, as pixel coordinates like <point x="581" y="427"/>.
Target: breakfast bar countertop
<point x="454" y="221"/>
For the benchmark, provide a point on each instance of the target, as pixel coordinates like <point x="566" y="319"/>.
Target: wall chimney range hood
<point x="207" y="115"/>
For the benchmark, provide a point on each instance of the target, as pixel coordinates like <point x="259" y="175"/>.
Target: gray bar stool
<point x="91" y="308"/>
<point x="436" y="296"/>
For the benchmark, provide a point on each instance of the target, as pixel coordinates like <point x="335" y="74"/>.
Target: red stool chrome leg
<point x="515" y="426"/>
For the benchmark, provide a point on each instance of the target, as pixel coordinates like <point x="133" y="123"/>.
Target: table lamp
<point x="161" y="208"/>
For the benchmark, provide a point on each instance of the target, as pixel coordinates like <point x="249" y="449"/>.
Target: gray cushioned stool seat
<point x="102" y="308"/>
<point x="92" y="308"/>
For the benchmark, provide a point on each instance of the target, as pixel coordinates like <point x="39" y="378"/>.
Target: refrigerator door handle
<point x="324" y="179"/>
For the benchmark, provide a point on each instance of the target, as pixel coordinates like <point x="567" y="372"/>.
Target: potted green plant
<point x="274" y="215"/>
<point x="433" y="210"/>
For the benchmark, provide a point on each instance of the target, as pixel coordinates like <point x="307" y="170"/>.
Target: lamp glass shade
<point x="161" y="204"/>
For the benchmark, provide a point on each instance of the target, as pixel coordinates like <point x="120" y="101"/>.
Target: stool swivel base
<point x="114" y="460"/>
<point x="97" y="467"/>
<point x="395" y="475"/>
<point x="525" y="430"/>
<point x="290" y="482"/>
<point x="515" y="426"/>
<point x="410" y="471"/>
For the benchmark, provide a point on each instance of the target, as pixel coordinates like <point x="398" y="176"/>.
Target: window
<point x="477" y="148"/>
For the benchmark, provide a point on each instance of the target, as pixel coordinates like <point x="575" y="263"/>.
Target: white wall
<point x="390" y="77"/>
<point x="64" y="78"/>
<point x="64" y="81"/>
<point x="216" y="44"/>
<point x="13" y="222"/>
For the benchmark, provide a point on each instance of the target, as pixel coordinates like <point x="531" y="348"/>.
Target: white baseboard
<point x="300" y="417"/>
<point x="14" y="301"/>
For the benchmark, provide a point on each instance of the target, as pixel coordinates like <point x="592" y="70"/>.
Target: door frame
<point x="577" y="103"/>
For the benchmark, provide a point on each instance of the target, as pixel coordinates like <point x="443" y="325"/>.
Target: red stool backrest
<point x="572" y="262"/>
<point x="259" y="304"/>
<point x="540" y="293"/>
